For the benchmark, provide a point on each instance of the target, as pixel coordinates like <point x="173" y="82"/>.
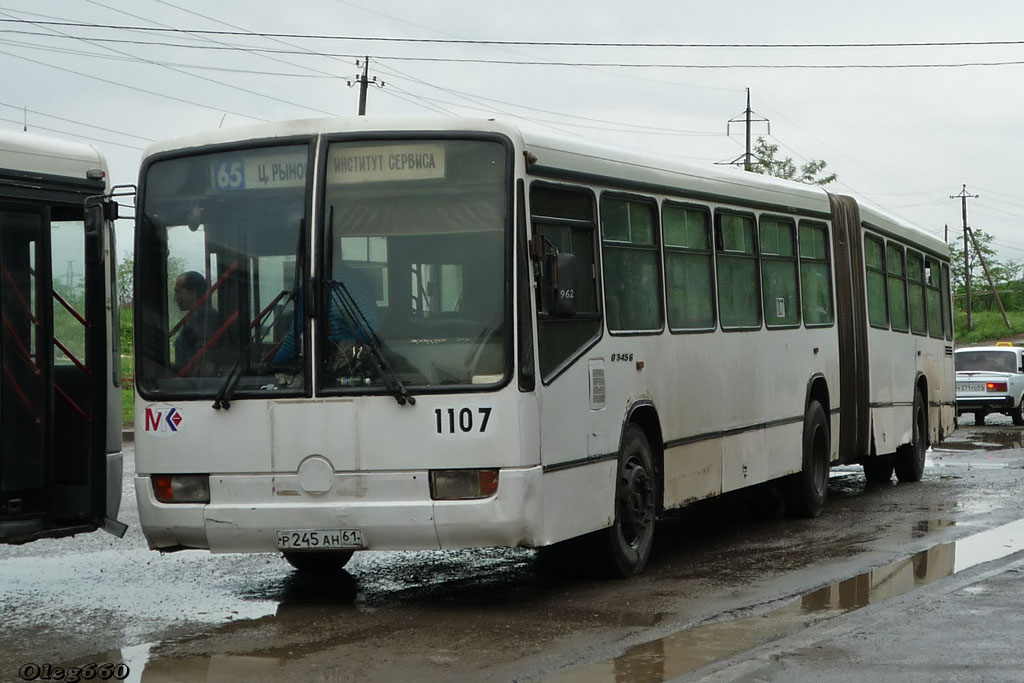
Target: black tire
<point x="319" y="562"/>
<point x="807" y="489"/>
<point x="878" y="469"/>
<point x="625" y="546"/>
<point x="979" y="419"/>
<point x="1018" y="413"/>
<point x="909" y="460"/>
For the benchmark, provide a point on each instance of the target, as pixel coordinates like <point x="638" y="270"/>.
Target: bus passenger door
<point x="25" y="402"/>
<point x="851" y="319"/>
<point x="52" y="375"/>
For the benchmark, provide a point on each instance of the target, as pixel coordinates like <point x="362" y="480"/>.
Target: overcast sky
<point x="899" y="137"/>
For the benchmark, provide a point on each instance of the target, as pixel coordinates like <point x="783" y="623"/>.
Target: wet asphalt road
<point x="497" y="614"/>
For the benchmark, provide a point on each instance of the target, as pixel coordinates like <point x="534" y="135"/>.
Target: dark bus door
<point x="53" y="479"/>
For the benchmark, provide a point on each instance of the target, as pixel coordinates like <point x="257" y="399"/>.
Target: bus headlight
<point x="181" y="488"/>
<point x="463" y="484"/>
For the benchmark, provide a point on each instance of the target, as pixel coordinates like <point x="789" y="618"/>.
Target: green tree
<point x="765" y="163"/>
<point x="125" y="281"/>
<point x="1005" y="274"/>
<point x="1001" y="271"/>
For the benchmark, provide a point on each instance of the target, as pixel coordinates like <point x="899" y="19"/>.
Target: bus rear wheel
<point x="627" y="543"/>
<point x="909" y="460"/>
<point x="806" y="490"/>
<point x="320" y="562"/>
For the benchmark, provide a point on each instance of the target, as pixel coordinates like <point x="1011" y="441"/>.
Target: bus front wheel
<point x="807" y="489"/>
<point x="628" y="541"/>
<point x="319" y="562"/>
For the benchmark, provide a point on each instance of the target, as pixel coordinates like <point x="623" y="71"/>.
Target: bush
<point x="988" y="326"/>
<point x="127" y="368"/>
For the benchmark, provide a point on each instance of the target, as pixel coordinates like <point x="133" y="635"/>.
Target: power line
<point x="77" y="123"/>
<point x="525" y="43"/>
<point x="157" y="62"/>
<point x="202" y="78"/>
<point x="75" y="135"/>
<point x="239" y="28"/>
<point x="549" y="62"/>
<point x="132" y="87"/>
<point x="477" y="99"/>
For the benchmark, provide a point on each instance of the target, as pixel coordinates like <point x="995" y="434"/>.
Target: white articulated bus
<point x="447" y="333"/>
<point x="60" y="397"/>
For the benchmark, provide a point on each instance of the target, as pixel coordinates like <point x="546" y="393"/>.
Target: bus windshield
<point x="408" y="252"/>
<point x="417" y="233"/>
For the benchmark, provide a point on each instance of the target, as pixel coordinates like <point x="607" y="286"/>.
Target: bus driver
<point x="201" y="323"/>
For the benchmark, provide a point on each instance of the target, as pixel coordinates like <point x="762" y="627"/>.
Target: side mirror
<point x="558" y="286"/>
<point x="95" y="215"/>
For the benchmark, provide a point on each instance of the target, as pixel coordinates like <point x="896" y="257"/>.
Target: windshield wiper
<point x="343" y="299"/>
<point x="227" y="389"/>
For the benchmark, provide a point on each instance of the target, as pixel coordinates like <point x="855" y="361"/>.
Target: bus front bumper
<point x="392" y="510"/>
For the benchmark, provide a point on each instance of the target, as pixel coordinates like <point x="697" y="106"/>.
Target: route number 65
<point x="229" y="175"/>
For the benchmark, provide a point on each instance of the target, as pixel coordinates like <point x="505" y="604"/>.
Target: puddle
<point x="985" y="440"/>
<point x="668" y="657"/>
<point x="970" y="446"/>
<point x="679" y="653"/>
<point x="927" y="526"/>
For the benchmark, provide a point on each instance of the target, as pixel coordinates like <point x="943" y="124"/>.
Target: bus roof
<point x="28" y="153"/>
<point x="579" y="156"/>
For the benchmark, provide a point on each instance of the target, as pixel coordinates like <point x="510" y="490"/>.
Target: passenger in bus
<point x="340" y="326"/>
<point x="193" y="351"/>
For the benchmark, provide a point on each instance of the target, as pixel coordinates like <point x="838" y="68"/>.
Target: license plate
<point x="319" y="539"/>
<point x="972" y="387"/>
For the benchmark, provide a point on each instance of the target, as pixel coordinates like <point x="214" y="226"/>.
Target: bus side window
<point x="915" y="282"/>
<point x="874" y="263"/>
<point x="689" y="267"/>
<point x="778" y="272"/>
<point x="565" y="217"/>
<point x="815" y="274"/>
<point x="947" y="322"/>
<point x="933" y="293"/>
<point x="739" y="297"/>
<point x="897" y="280"/>
<point x="632" y="286"/>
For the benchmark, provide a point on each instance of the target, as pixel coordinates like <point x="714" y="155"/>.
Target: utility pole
<point x="746" y="118"/>
<point x="963" y="196"/>
<point x="364" y="81"/>
<point x="988" y="276"/>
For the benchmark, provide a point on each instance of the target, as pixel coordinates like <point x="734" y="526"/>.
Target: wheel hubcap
<point x="820" y="460"/>
<point x="636" y="502"/>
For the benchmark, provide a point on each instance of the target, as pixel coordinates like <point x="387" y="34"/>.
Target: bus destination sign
<point x="258" y="172"/>
<point x="347" y="165"/>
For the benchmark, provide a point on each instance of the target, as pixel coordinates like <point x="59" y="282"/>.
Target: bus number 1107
<point x="453" y="421"/>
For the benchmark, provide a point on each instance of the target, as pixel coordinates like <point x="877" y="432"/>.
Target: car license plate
<point x="319" y="539"/>
<point x="972" y="387"/>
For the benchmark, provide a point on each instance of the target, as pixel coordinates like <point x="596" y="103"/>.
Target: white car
<point x="990" y="379"/>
